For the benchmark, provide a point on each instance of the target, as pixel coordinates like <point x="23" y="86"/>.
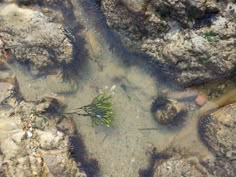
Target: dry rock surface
<point x="192" y="40"/>
<point x="30" y="143"/>
<point x="32" y="37"/>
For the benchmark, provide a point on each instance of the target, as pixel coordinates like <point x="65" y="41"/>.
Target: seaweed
<point x="100" y="110"/>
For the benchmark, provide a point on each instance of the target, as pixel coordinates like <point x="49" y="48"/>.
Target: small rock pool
<point x="121" y="149"/>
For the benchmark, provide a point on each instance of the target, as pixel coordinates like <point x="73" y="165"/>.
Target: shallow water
<point x="120" y="149"/>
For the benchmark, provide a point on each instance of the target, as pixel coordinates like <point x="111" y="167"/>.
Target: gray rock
<point x="189" y="42"/>
<point x="32" y="37"/>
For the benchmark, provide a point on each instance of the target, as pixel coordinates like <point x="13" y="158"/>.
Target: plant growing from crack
<point x="99" y="110"/>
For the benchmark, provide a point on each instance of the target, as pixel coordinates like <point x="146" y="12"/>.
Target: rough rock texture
<point x="221" y="168"/>
<point x="192" y="40"/>
<point x="30" y="143"/>
<point x="32" y="37"/>
<point x="168" y="111"/>
<point x="176" y="167"/>
<point x="218" y="131"/>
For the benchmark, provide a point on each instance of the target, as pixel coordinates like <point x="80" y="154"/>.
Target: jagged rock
<point x="30" y="36"/>
<point x="218" y="131"/>
<point x="191" y="41"/>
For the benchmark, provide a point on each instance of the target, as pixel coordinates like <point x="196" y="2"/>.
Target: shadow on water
<point x="160" y="72"/>
<point x="79" y="153"/>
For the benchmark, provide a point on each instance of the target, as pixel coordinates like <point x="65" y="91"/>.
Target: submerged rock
<point x="30" y="36"/>
<point x="168" y="111"/>
<point x="218" y="131"/>
<point x="221" y="167"/>
<point x="9" y="91"/>
<point x="192" y="41"/>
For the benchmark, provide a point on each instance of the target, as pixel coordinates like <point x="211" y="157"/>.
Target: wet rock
<point x="9" y="91"/>
<point x="177" y="166"/>
<point x="128" y="24"/>
<point x="31" y="143"/>
<point x="184" y="10"/>
<point x="168" y="111"/>
<point x="221" y="167"/>
<point x="201" y="100"/>
<point x="218" y="131"/>
<point x="191" y="41"/>
<point x="30" y="36"/>
<point x="134" y="5"/>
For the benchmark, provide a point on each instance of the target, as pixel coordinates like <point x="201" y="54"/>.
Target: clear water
<point x="120" y="149"/>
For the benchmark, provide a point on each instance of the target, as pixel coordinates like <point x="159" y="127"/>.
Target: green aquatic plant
<point x="100" y="110"/>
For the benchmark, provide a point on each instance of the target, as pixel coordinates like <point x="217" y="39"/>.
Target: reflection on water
<point x="119" y="149"/>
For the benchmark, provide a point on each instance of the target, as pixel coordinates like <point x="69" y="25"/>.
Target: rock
<point x="128" y="25"/>
<point x="9" y="91"/>
<point x="218" y="131"/>
<point x="191" y="41"/>
<point x="168" y="111"/>
<point x="221" y="167"/>
<point x="30" y="36"/>
<point x="201" y="100"/>
<point x="177" y="166"/>
<point x="49" y="140"/>
<point x="184" y="10"/>
<point x="134" y="5"/>
<point x="31" y="143"/>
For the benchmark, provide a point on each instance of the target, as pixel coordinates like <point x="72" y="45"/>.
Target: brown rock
<point x="218" y="131"/>
<point x="168" y="111"/>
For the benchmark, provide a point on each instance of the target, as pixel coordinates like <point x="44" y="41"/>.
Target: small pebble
<point x="200" y="100"/>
